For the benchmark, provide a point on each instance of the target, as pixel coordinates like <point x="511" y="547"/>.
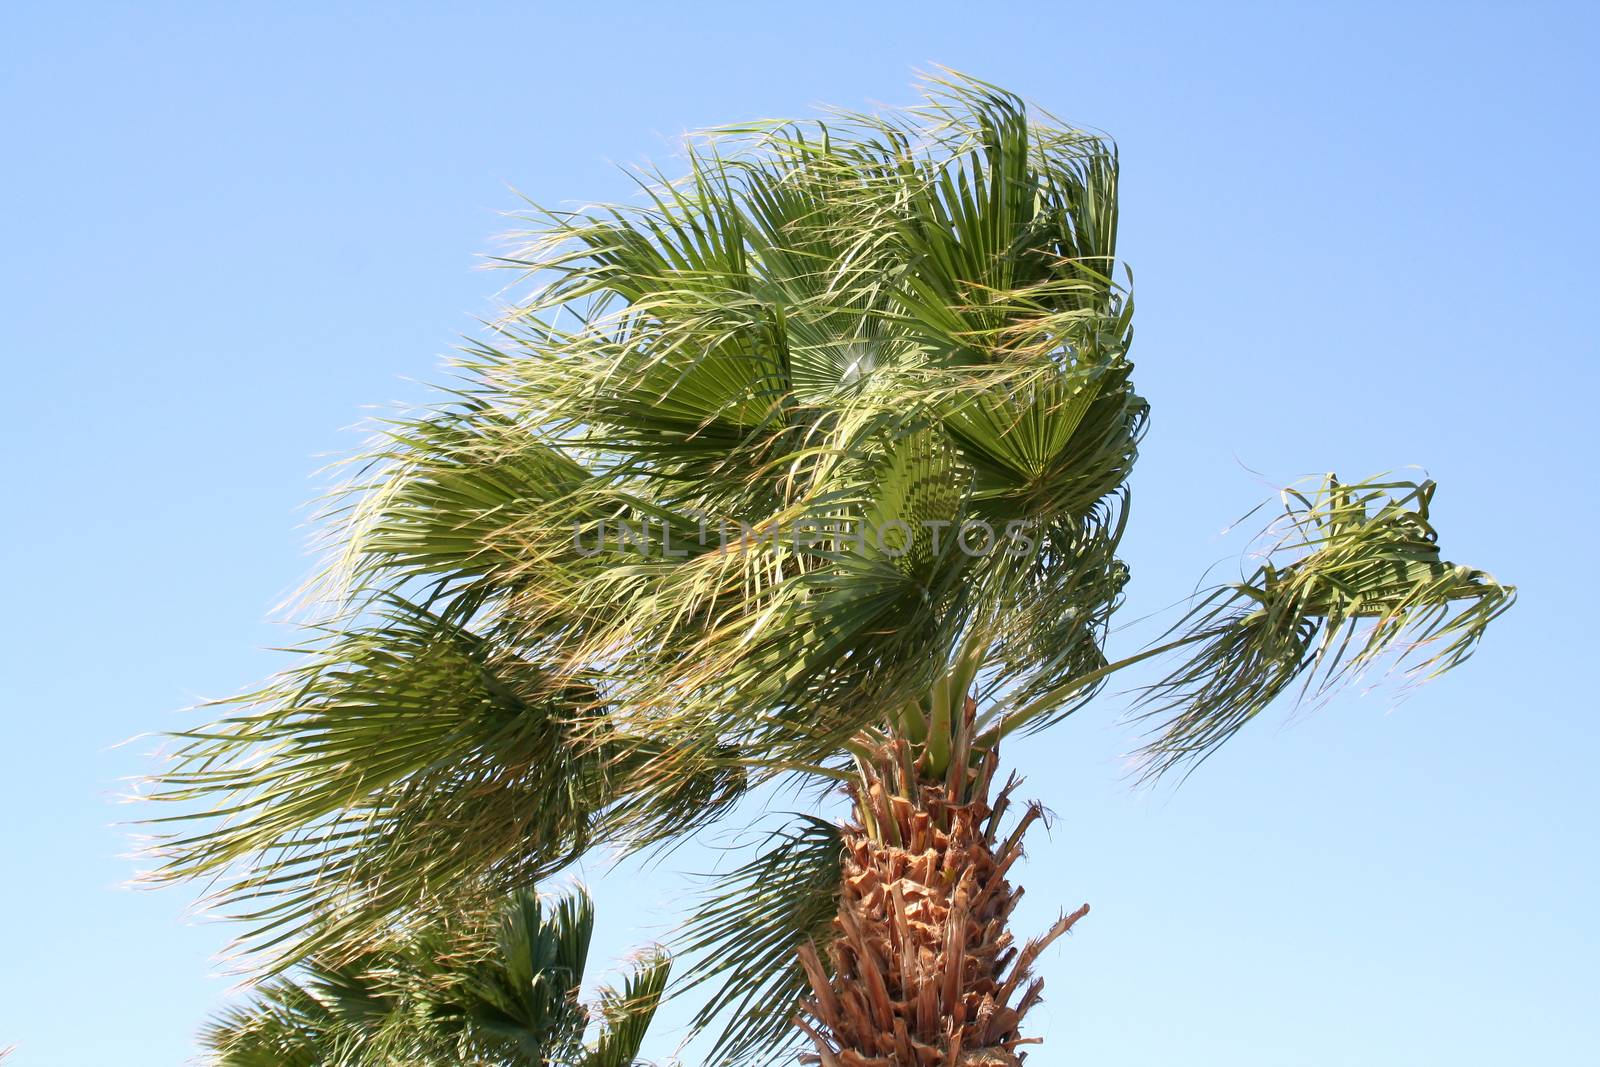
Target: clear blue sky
<point x="1362" y="238"/>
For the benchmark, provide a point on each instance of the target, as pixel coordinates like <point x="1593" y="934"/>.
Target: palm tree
<point x="811" y="469"/>
<point x="495" y="989"/>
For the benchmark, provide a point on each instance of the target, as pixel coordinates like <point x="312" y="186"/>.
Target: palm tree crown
<point x="814" y="465"/>
<point x="488" y="987"/>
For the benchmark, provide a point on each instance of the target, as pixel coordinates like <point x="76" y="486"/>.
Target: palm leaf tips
<point x="1353" y="577"/>
<point x="744" y="936"/>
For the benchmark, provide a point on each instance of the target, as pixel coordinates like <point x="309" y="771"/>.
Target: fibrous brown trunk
<point x="921" y="970"/>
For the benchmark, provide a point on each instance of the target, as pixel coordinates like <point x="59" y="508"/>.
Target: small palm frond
<point x="496" y="985"/>
<point x="744" y="938"/>
<point x="1363" y="582"/>
<point x="520" y="991"/>
<point x="626" y="1013"/>
<point x="324" y="1016"/>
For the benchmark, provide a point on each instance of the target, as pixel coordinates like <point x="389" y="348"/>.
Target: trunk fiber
<point x="921" y="970"/>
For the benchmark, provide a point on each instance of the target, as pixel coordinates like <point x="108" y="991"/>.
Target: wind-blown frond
<point x="285" y="1026"/>
<point x="744" y="937"/>
<point x="428" y="507"/>
<point x="1355" y="577"/>
<point x="405" y="759"/>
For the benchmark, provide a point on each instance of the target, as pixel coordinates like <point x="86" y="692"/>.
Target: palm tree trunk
<point x="921" y="970"/>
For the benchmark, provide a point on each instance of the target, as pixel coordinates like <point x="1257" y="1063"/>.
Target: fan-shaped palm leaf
<point x="495" y="989"/>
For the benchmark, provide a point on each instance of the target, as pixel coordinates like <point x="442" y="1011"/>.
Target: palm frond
<point x="494" y="985"/>
<point x="519" y="992"/>
<point x="744" y="935"/>
<point x="627" y="1012"/>
<point x="424" y="510"/>
<point x="324" y="1016"/>
<point x="405" y="759"/>
<point x="1355" y="577"/>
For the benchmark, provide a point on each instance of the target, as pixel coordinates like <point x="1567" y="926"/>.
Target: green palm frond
<point x="325" y="1016"/>
<point x="493" y="987"/>
<point x="521" y="994"/>
<point x="627" y="1012"/>
<point x="1355" y="577"/>
<point x="744" y="935"/>
<point x="427" y="505"/>
<point x="285" y="1028"/>
<point x="401" y="757"/>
